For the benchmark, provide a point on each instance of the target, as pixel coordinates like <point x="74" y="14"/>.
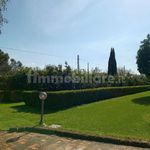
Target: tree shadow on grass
<point x="26" y="109"/>
<point x="142" y="101"/>
<point x="35" y="110"/>
<point x="10" y="102"/>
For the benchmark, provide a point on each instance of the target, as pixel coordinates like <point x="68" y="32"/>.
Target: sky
<point x="42" y="32"/>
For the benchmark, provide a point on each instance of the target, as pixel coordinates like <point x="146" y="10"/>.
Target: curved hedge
<point x="66" y="99"/>
<point x="11" y="96"/>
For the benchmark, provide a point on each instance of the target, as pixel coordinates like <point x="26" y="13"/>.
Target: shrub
<point x="66" y="99"/>
<point x="11" y="96"/>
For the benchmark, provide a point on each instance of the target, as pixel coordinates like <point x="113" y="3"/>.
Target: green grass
<point x="124" y="117"/>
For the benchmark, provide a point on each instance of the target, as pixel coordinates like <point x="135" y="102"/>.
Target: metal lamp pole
<point x="42" y="97"/>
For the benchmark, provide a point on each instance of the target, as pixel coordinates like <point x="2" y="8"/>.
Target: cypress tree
<point x="112" y="64"/>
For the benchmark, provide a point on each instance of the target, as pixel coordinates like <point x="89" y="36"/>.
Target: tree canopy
<point x="4" y="62"/>
<point x="143" y="57"/>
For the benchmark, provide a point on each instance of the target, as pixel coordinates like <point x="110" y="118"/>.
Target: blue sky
<point x="64" y="28"/>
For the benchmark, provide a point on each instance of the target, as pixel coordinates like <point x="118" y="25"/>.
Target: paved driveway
<point x="34" y="141"/>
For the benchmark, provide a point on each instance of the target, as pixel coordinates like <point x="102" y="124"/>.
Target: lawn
<point x="125" y="117"/>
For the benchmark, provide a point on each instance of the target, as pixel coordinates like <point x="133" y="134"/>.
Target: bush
<point x="66" y="99"/>
<point x="10" y="96"/>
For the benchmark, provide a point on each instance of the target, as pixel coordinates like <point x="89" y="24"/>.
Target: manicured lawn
<point x="126" y="117"/>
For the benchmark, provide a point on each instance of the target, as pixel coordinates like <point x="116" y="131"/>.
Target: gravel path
<point x="34" y="141"/>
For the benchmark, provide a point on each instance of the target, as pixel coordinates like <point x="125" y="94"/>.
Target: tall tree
<point x="15" y="65"/>
<point x="112" y="64"/>
<point x="4" y="62"/>
<point x="143" y="57"/>
<point x="2" y="9"/>
<point x="67" y="70"/>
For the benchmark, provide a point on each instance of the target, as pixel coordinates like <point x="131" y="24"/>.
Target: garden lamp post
<point x="42" y="97"/>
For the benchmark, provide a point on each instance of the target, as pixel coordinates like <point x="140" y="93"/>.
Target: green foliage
<point x="143" y="57"/>
<point x="15" y="65"/>
<point x="10" y="96"/>
<point x="134" y="80"/>
<point x="18" y="80"/>
<point x="66" y="99"/>
<point x="14" y="76"/>
<point x="4" y="63"/>
<point x="112" y="64"/>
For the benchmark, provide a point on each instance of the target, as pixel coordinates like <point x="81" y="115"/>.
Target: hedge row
<point x="10" y="96"/>
<point x="66" y="99"/>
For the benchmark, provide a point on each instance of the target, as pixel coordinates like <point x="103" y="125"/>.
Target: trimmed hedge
<point x="10" y="96"/>
<point x="67" y="99"/>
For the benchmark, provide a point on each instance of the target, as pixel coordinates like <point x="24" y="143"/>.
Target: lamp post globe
<point x="42" y="95"/>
